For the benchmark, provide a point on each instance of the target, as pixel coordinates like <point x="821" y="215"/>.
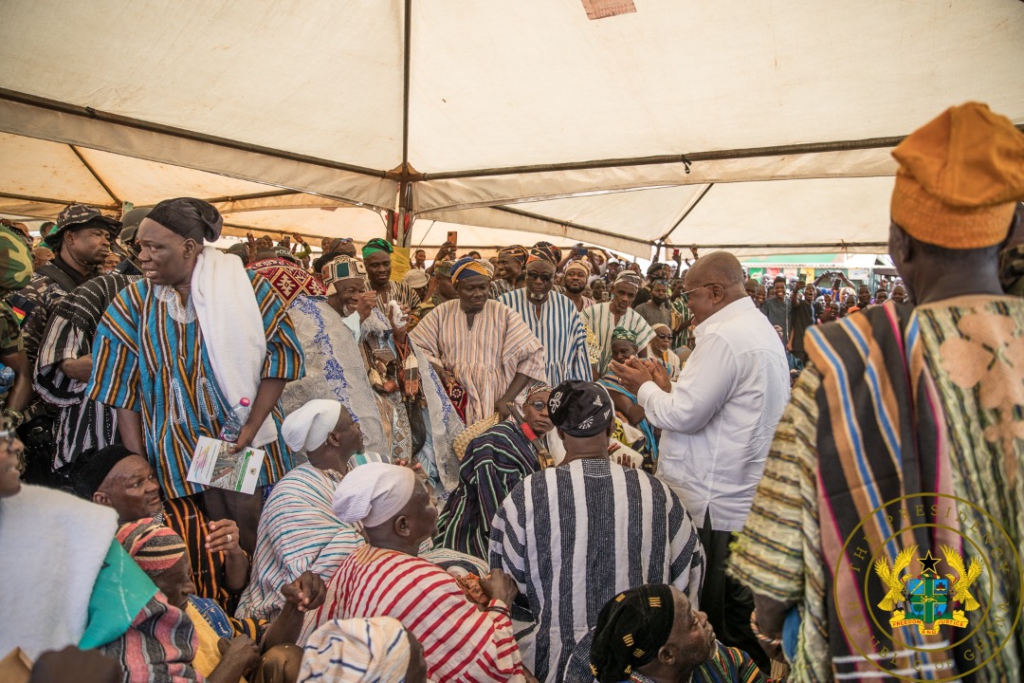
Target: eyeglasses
<point x="543" y="277"/>
<point x="538" y="405"/>
<point x="664" y="336"/>
<point x="686" y="295"/>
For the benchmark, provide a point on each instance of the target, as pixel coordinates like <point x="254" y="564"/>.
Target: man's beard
<point x="658" y="301"/>
<point x="537" y="296"/>
<point x="575" y="288"/>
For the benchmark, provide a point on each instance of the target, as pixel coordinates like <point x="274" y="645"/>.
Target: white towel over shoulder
<point x="232" y="328"/>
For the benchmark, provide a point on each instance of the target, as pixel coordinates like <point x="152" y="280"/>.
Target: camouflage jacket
<point x="37" y="300"/>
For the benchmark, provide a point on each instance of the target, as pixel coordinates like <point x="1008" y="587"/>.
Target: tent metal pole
<point x="406" y="69"/>
<point x="92" y="171"/>
<point x="256" y="195"/>
<point x="567" y="224"/>
<point x="53" y="200"/>
<point x="686" y="213"/>
<point x="405" y="186"/>
<point x="838" y="246"/>
<point x="90" y="113"/>
<point x="693" y="157"/>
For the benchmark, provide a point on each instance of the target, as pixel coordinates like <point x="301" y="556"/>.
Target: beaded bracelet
<point x="761" y="638"/>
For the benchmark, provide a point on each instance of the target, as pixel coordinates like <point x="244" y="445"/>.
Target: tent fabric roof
<point x="754" y="125"/>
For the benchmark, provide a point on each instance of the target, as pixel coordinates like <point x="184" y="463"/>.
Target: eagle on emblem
<point x="961" y="586"/>
<point x="890" y="576"/>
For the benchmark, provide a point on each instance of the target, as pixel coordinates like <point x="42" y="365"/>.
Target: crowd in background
<point x="545" y="465"/>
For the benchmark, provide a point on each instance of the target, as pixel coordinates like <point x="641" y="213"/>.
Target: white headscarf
<point x="308" y="427"/>
<point x="357" y="651"/>
<point x="373" y="493"/>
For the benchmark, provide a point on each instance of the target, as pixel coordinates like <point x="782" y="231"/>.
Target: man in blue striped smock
<point x="574" y="536"/>
<point x="482" y="345"/>
<point x="175" y="351"/>
<point x="554" y="319"/>
<point x="602" y="319"/>
<point x="298" y="530"/>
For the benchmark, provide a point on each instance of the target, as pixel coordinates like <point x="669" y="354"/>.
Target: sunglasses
<point x="543" y="277"/>
<point x="538" y="405"/>
<point x="664" y="336"/>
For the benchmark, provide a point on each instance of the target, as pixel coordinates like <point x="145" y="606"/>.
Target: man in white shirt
<point x="717" y="423"/>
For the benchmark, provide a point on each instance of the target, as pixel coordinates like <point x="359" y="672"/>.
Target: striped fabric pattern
<point x="149" y="357"/>
<point x="460" y="642"/>
<point x="574" y="536"/>
<point x="298" y="532"/>
<point x="495" y="462"/>
<point x="561" y="332"/>
<point x="400" y="292"/>
<point x="485" y="358"/>
<point x="600" y="320"/>
<point x="160" y="645"/>
<point x="894" y="407"/>
<point x="374" y="650"/>
<point x="186" y="518"/>
<point x="83" y="424"/>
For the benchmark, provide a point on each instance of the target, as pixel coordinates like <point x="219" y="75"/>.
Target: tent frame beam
<point x="94" y="174"/>
<point x="689" y="210"/>
<point x="52" y="200"/>
<point x="568" y="224"/>
<point x="837" y="246"/>
<point x="90" y="113"/>
<point x="687" y="159"/>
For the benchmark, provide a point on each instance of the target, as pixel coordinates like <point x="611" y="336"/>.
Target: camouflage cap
<point x="15" y="261"/>
<point x="77" y="215"/>
<point x="130" y="224"/>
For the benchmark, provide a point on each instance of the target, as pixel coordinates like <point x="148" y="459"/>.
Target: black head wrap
<point x="93" y="466"/>
<point x="189" y="217"/>
<point x="630" y="630"/>
<point x="580" y="408"/>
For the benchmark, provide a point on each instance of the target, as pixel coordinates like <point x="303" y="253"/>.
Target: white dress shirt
<point x="720" y="416"/>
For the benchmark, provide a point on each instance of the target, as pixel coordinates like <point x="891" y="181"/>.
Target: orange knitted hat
<point x="959" y="177"/>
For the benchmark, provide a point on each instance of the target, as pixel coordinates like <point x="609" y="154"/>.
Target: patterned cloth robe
<point x="298" y="532"/>
<point x="600" y="320"/>
<point x="495" y="462"/>
<point x="896" y="402"/>
<point x="574" y="536"/>
<point x="484" y="359"/>
<point x="561" y="332"/>
<point x="460" y="642"/>
<point x="83" y="424"/>
<point x="336" y="368"/>
<point x="149" y="357"/>
<point x="288" y="280"/>
<point x="185" y="517"/>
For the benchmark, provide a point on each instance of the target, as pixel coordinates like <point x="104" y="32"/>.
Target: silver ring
<point x="229" y="538"/>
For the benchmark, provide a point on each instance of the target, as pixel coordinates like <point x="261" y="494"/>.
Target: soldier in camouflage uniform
<point x="15" y="273"/>
<point x="81" y="241"/>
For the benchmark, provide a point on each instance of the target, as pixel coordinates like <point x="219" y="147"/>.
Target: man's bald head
<point x="719" y="267"/>
<point x="714" y="281"/>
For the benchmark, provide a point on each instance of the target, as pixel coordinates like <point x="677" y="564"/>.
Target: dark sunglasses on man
<point x="543" y="277"/>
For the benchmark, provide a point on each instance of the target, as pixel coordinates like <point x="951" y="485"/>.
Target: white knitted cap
<point x="373" y="493"/>
<point x="308" y="427"/>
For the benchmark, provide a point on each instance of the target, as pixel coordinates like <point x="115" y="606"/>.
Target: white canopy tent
<point x="754" y="126"/>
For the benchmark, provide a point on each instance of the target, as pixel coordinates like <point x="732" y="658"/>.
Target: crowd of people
<point x="543" y="466"/>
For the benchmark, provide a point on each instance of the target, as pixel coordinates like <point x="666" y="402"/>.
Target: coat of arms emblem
<point x="929" y="597"/>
